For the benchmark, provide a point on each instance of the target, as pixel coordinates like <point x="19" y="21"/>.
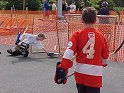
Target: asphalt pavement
<point x="35" y="74"/>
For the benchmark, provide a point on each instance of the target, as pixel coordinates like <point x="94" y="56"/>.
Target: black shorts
<point x="86" y="89"/>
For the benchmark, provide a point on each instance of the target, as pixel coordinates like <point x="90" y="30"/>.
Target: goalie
<point x="24" y="41"/>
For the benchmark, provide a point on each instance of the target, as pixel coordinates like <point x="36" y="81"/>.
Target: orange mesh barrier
<point x="29" y="14"/>
<point x="10" y="27"/>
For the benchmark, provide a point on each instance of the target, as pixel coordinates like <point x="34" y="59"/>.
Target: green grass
<point x="119" y="8"/>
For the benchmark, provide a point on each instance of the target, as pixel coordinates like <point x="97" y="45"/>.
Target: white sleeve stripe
<point x="68" y="54"/>
<point x="89" y="69"/>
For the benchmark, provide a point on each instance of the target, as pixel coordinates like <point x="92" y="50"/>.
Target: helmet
<point x="104" y="3"/>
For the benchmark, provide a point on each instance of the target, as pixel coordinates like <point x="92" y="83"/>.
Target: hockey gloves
<point x="50" y="54"/>
<point x="60" y="75"/>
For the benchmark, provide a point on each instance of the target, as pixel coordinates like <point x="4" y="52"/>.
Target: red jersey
<point x="90" y="47"/>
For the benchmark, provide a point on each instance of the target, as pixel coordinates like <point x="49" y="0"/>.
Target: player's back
<point x="90" y="46"/>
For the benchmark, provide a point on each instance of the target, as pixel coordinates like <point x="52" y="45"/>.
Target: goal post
<point x="104" y="19"/>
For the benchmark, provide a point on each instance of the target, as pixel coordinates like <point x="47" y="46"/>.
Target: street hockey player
<point x="23" y="43"/>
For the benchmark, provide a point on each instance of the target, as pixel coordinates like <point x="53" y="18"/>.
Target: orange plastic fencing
<point x="29" y="14"/>
<point x="10" y="26"/>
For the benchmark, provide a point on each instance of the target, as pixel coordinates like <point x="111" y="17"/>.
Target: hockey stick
<point x="118" y="48"/>
<point x="25" y="29"/>
<point x="109" y="55"/>
<point x="70" y="75"/>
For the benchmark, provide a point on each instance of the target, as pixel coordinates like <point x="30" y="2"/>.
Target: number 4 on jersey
<point x="89" y="47"/>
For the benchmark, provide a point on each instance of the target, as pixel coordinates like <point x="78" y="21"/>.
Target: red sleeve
<point x="69" y="52"/>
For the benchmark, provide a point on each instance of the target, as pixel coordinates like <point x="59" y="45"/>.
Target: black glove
<point x="50" y="54"/>
<point x="60" y="75"/>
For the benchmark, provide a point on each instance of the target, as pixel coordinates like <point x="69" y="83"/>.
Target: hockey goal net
<point x="56" y="34"/>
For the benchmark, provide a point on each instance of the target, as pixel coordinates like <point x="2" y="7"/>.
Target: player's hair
<point x="89" y="15"/>
<point x="41" y="35"/>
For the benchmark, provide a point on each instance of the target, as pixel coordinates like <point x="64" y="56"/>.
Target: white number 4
<point x="89" y="47"/>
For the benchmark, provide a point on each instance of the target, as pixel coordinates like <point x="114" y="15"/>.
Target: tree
<point x="119" y="3"/>
<point x="18" y="4"/>
<point x="3" y="4"/>
<point x="34" y="4"/>
<point x="94" y="3"/>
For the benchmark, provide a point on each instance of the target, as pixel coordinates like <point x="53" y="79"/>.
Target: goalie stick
<point x="109" y="55"/>
<point x="118" y="48"/>
<point x="25" y="29"/>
